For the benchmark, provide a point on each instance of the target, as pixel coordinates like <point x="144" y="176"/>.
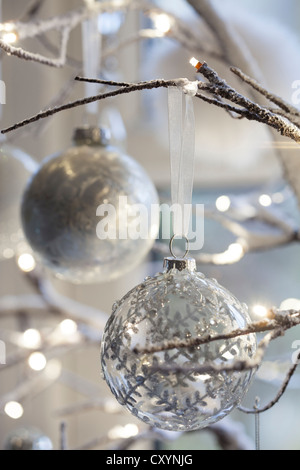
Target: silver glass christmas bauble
<point x="78" y="210"/>
<point x="28" y="438"/>
<point x="15" y="169"/>
<point x="178" y="304"/>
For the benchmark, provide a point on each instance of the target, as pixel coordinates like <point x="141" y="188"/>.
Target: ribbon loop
<point x="182" y="152"/>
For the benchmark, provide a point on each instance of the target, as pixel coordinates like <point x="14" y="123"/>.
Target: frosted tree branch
<point x="239" y="365"/>
<point x="239" y="55"/>
<point x="64" y="24"/>
<point x="289" y="109"/>
<point x="214" y="85"/>
<point x="254" y="111"/>
<point x="22" y="54"/>
<point x="276" y="321"/>
<point x="91" y="99"/>
<point x="279" y="394"/>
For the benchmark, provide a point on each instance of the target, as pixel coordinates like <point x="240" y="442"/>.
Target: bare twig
<point x="40" y="127"/>
<point x="279" y="323"/>
<point x="91" y="99"/>
<point x="271" y="97"/>
<point x="256" y="112"/>
<point x="277" y="320"/>
<point x="279" y="394"/>
<point x="47" y="44"/>
<point x="237" y="53"/>
<point x="257" y="327"/>
<point x="64" y="24"/>
<point x="103" y="82"/>
<point x="216" y="86"/>
<point x="22" y="54"/>
<point x="239" y="365"/>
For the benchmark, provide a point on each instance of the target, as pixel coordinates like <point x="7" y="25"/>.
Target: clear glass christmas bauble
<point x="28" y="438"/>
<point x="15" y="169"/>
<point x="178" y="304"/>
<point x="78" y="203"/>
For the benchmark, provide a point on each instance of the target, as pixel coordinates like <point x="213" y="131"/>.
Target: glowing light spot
<point x="259" y="311"/>
<point x="123" y="432"/>
<point x="14" y="410"/>
<point x="7" y="27"/>
<point x="265" y="200"/>
<point x="37" y="361"/>
<point x="235" y="251"/>
<point x="26" y="262"/>
<point x="31" y="339"/>
<point x="68" y="327"/>
<point x="9" y="38"/>
<point x="233" y="254"/>
<point x="223" y="203"/>
<point x="195" y="63"/>
<point x="162" y="22"/>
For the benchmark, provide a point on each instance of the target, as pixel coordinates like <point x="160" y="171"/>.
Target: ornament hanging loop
<point x="187" y="246"/>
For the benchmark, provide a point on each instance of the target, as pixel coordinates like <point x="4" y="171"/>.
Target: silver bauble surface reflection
<point x="176" y="305"/>
<point x="15" y="169"/>
<point x="61" y="202"/>
<point x="28" y="438"/>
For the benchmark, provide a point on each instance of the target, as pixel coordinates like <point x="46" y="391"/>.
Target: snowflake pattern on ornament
<point x="169" y="306"/>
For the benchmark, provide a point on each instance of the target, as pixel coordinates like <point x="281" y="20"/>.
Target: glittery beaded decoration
<point x="60" y="211"/>
<point x="176" y="305"/>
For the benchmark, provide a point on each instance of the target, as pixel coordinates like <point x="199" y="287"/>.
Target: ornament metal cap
<point x="92" y="135"/>
<point x="180" y="264"/>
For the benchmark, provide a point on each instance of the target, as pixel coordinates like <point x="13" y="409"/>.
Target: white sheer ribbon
<point x="91" y="47"/>
<point x="182" y="152"/>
